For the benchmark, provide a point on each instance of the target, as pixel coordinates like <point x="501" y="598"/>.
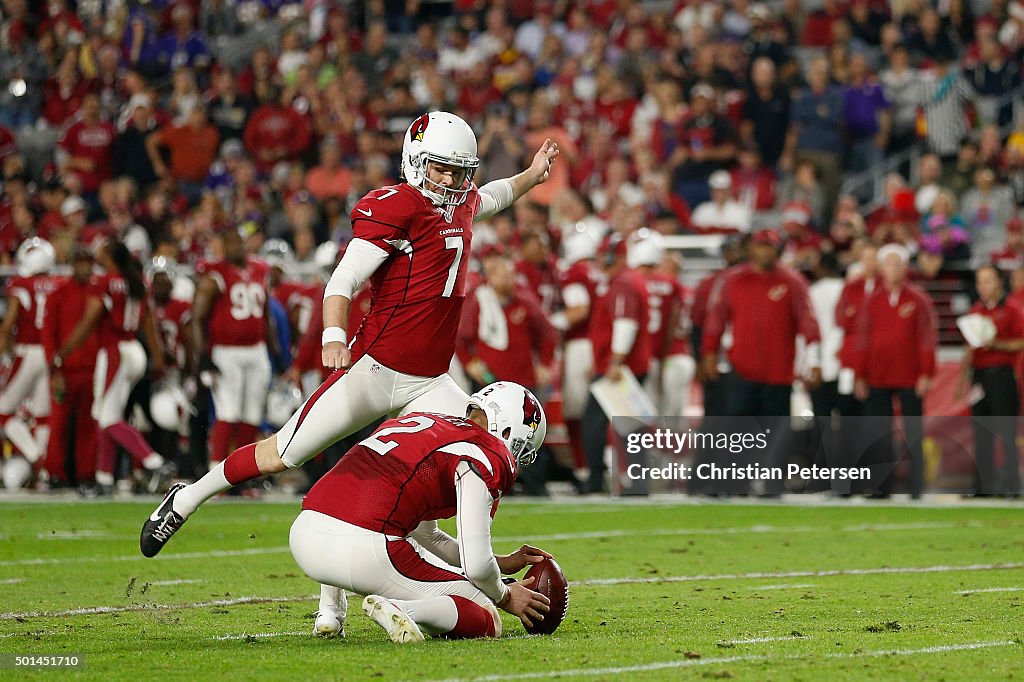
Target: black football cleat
<point x="161" y="524"/>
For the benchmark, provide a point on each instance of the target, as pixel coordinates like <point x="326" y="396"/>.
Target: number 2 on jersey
<point x="383" y="447"/>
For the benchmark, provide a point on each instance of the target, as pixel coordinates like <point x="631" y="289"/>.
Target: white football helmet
<point x="35" y="256"/>
<point x="277" y="252"/>
<point x="169" y="406"/>
<point x="515" y="416"/>
<point x="443" y="138"/>
<point x="646" y="247"/>
<point x="283" y="399"/>
<point x="579" y="246"/>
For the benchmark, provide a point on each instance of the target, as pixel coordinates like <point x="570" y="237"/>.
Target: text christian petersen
<point x="667" y="441"/>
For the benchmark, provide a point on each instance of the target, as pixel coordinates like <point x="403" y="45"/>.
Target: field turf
<point x="660" y="591"/>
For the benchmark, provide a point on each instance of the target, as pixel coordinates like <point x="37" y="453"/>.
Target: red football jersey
<point x="238" y="310"/>
<point x="171" y="320"/>
<point x="32" y="293"/>
<point x="123" y="314"/>
<point x="626" y="298"/>
<point x="585" y="275"/>
<point x="664" y="296"/>
<point x="419" y="290"/>
<point x="405" y="473"/>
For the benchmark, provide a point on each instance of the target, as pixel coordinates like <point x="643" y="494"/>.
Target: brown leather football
<point x="551" y="582"/>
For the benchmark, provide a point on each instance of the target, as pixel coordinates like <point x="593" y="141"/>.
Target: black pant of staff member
<point x="995" y="417"/>
<point x="995" y="334"/>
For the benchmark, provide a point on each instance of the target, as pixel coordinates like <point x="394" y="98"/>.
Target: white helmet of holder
<point x="515" y="416"/>
<point x="443" y="138"/>
<point x="35" y="256"/>
<point x="646" y="247"/>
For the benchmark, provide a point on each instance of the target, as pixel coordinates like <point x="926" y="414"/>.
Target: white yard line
<point x="762" y="640"/>
<point x="153" y="607"/>
<point x="161" y="583"/>
<point x="991" y="589"/>
<point x="695" y="662"/>
<point x="139" y="557"/>
<point x="885" y="570"/>
<point x="12" y="581"/>
<point x="782" y="586"/>
<point x="589" y="535"/>
<point x="262" y="635"/>
<point x="762" y="529"/>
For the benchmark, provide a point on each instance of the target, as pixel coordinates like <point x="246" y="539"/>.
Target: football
<point x="551" y="582"/>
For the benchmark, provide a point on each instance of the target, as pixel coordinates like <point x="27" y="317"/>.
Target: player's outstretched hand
<point x="543" y="160"/>
<point x="520" y="559"/>
<point x="336" y="355"/>
<point x="526" y="604"/>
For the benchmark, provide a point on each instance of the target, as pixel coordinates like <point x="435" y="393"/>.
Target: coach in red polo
<point x="894" y="359"/>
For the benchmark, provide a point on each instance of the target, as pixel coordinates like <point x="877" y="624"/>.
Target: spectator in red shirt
<point x="86" y="147"/>
<point x="991" y="369"/>
<point x="895" y="358"/>
<point x="276" y="131"/>
<point x="193" y="148"/>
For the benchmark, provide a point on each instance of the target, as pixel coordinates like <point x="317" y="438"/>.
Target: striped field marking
<point x="885" y="570"/>
<point x="578" y="583"/>
<point x="698" y="662"/>
<point x="261" y="635"/>
<point x="991" y="589"/>
<point x="615" y="533"/>
<point x="153" y="607"/>
<point x="163" y="583"/>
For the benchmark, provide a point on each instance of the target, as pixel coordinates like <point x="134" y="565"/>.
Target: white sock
<point x="152" y="461"/>
<point x="18" y="433"/>
<point x="435" y="615"/>
<point x="191" y="496"/>
<point x="333" y="600"/>
<point x="104" y="478"/>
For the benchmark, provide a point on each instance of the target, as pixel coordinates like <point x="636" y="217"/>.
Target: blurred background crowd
<point x="834" y="127"/>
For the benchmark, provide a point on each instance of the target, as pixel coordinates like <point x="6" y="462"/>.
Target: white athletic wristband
<point x="332" y="335"/>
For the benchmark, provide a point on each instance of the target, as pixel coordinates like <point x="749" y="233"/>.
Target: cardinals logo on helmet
<point x="531" y="411"/>
<point x="418" y="127"/>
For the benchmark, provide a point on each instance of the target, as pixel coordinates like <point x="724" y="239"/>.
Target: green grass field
<point x="660" y="592"/>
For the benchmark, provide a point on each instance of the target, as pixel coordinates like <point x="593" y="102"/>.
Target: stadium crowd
<point x="131" y="123"/>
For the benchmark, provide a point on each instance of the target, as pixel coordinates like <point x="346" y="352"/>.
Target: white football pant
<point x="347" y="401"/>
